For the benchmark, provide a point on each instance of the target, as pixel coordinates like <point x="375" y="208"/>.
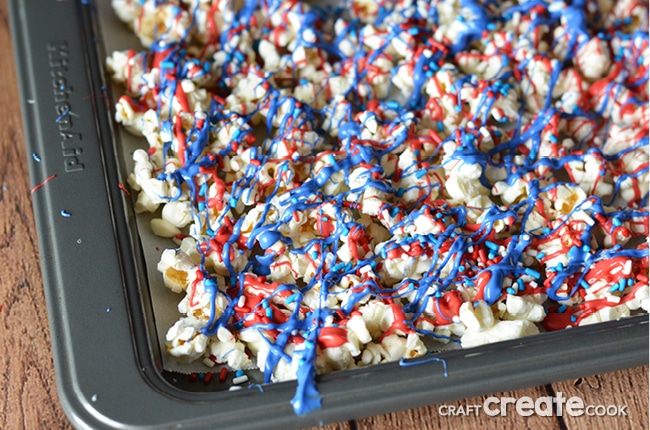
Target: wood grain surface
<point x="29" y="398"/>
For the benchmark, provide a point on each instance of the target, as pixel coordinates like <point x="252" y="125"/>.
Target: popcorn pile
<point x="342" y="182"/>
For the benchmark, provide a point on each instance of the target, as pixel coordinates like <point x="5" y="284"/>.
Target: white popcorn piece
<point x="176" y="268"/>
<point x="163" y="228"/>
<point x="185" y="341"/>
<point x="502" y="330"/>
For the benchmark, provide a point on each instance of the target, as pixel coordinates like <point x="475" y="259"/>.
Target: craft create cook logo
<point x="525" y="406"/>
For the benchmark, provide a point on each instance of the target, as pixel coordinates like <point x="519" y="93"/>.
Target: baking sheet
<point x="108" y="368"/>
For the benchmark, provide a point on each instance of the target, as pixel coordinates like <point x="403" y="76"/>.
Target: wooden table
<point x="29" y="398"/>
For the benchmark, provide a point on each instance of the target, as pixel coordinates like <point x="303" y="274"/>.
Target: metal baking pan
<point x="108" y="365"/>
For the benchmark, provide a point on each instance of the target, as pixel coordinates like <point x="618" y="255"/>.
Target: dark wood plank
<point x="29" y="397"/>
<point x="625" y="388"/>
<point x="438" y="417"/>
<point x="338" y="426"/>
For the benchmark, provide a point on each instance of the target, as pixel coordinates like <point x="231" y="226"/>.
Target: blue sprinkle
<point x="269" y="312"/>
<point x="530" y="272"/>
<point x="420" y="173"/>
<point x="313" y="255"/>
<point x="630" y="282"/>
<point x="541" y="255"/>
<point x="573" y="318"/>
<point x="492" y="245"/>
<point x="561" y="309"/>
<point x="586" y="248"/>
<point x="392" y="104"/>
<point x="584" y="284"/>
<point x="239" y="373"/>
<point x="65" y="213"/>
<point x="511" y="291"/>
<point x="546" y="230"/>
<point x="461" y="268"/>
<point x="292" y="298"/>
<point x="36" y="157"/>
<point x="440" y="125"/>
<point x="413" y="31"/>
<point x="616" y="222"/>
<point x="233" y="202"/>
<point x="400" y="192"/>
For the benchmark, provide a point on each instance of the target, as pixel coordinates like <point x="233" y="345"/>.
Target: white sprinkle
<point x="208" y="362"/>
<point x="240" y="379"/>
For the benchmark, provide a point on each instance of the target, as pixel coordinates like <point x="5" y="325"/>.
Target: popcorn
<point x="338" y="190"/>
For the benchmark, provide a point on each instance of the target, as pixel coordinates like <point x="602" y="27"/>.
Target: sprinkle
<point x="63" y="114"/>
<point x="43" y="183"/>
<point x="240" y="380"/>
<point x="530" y="272"/>
<point x="492" y="245"/>
<point x="65" y="213"/>
<point x="36" y="157"/>
<point x="223" y="374"/>
<point x="124" y="190"/>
